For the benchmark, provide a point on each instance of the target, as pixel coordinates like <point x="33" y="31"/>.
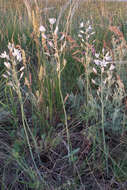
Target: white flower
<point x="93" y="81"/>
<point x="88" y="36"/>
<point x="81" y="31"/>
<point x="92" y="33"/>
<point x="97" y="62"/>
<point x="5" y="76"/>
<point x="107" y="57"/>
<point x="89" y="29"/>
<point x="51" y="44"/>
<point x="46" y="53"/>
<point x="97" y="55"/>
<point x="103" y="63"/>
<point x="105" y="81"/>
<point x="10" y="46"/>
<point x="52" y="21"/>
<point x="7" y="65"/>
<point x="8" y="73"/>
<point x="88" y="22"/>
<point x="19" y="57"/>
<point x="94" y="70"/>
<point x="16" y="53"/>
<point x="42" y="29"/>
<point x="21" y="76"/>
<point x="112" y="67"/>
<point x="22" y="68"/>
<point x="4" y="55"/>
<point x="80" y="36"/>
<point x="62" y="37"/>
<point x="81" y="25"/>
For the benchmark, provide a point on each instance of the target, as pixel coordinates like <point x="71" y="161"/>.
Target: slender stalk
<point x="25" y="124"/>
<point x="28" y="142"/>
<point x="65" y="114"/>
<point x="102" y="122"/>
<point x="59" y="70"/>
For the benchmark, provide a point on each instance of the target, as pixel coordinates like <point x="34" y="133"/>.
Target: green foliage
<point x="63" y="93"/>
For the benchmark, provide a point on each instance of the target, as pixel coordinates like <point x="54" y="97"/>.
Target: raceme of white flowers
<point x="12" y="59"/>
<point x="104" y="60"/>
<point x="51" y="21"/>
<point x="88" y="30"/>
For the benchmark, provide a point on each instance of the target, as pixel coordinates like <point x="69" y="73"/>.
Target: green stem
<point x="102" y="122"/>
<point x="25" y="124"/>
<point x="65" y="114"/>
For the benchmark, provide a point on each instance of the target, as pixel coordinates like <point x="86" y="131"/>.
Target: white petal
<point x="81" y="31"/>
<point x="10" y="46"/>
<point x="15" y="52"/>
<point x="107" y="54"/>
<point x="104" y="63"/>
<point x="97" y="62"/>
<point x="19" y="57"/>
<point x="5" y="76"/>
<point x="81" y="25"/>
<point x="108" y="58"/>
<point x="105" y="81"/>
<point x="42" y="29"/>
<point x="97" y="55"/>
<point x="7" y="65"/>
<point x="80" y="36"/>
<point x="92" y="33"/>
<point x="50" y="43"/>
<point x="21" y="76"/>
<point x="94" y="70"/>
<point x="8" y="73"/>
<point x="62" y="37"/>
<point x="112" y="67"/>
<point x="90" y="28"/>
<point x="93" y="81"/>
<point x="4" y="55"/>
<point x="22" y="68"/>
<point x="52" y="21"/>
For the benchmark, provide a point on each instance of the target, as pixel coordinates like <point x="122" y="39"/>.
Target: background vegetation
<point x="63" y="102"/>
